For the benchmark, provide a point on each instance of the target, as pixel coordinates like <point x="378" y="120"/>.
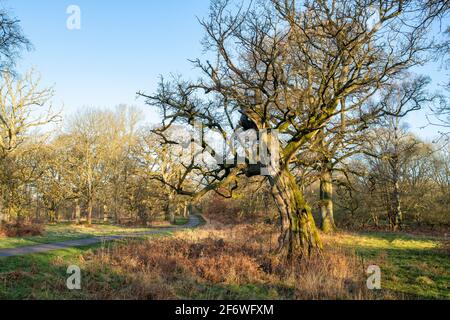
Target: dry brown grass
<point x="219" y="262"/>
<point x="21" y="230"/>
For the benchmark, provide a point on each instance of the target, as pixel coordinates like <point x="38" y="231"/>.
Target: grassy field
<point x="67" y="231"/>
<point x="191" y="265"/>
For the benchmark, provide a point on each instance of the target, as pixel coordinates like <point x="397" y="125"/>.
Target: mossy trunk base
<point x="298" y="235"/>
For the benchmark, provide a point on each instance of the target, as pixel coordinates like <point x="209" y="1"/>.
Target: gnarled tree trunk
<point x="299" y="234"/>
<point x="326" y="202"/>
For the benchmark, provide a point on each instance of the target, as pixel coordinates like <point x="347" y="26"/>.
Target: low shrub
<point x="21" y="230"/>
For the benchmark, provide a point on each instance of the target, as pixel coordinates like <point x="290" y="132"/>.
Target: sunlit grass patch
<point x="387" y="241"/>
<point x="412" y="266"/>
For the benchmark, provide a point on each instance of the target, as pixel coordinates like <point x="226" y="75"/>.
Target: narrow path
<point x="194" y="221"/>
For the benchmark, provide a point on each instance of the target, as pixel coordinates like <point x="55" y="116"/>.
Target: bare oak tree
<point x="391" y="145"/>
<point x="285" y="67"/>
<point x="24" y="108"/>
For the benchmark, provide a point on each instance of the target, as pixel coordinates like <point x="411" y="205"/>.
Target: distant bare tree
<point x="24" y="108"/>
<point x="391" y="146"/>
<point x="12" y="41"/>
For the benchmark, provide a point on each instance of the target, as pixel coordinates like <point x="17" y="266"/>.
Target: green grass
<point x="43" y="276"/>
<point x="411" y="266"/>
<point x="65" y="231"/>
<point x="240" y="292"/>
<point x="181" y="221"/>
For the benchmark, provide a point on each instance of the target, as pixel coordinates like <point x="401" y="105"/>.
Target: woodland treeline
<point x="336" y="85"/>
<point x="101" y="167"/>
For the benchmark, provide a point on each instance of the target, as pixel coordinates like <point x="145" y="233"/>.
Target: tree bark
<point x="37" y="214"/>
<point x="326" y="202"/>
<point x="89" y="212"/>
<point x="116" y="205"/>
<point x="2" y="217"/>
<point x="105" y="213"/>
<point x="167" y="211"/>
<point x="185" y="210"/>
<point x="77" y="211"/>
<point x="397" y="215"/>
<point x="51" y="216"/>
<point x="169" y="214"/>
<point x="298" y="234"/>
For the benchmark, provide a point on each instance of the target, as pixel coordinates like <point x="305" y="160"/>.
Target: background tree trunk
<point x="105" y="213"/>
<point x="298" y="234"/>
<point x="186" y="210"/>
<point x="2" y="217"/>
<point x="397" y="215"/>
<point x="51" y="216"/>
<point x="167" y="211"/>
<point x="37" y="214"/>
<point x="77" y="211"/>
<point x="89" y="212"/>
<point x="169" y="214"/>
<point x="326" y="202"/>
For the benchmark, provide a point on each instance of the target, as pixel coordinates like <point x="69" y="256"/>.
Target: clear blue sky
<point x="122" y="47"/>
